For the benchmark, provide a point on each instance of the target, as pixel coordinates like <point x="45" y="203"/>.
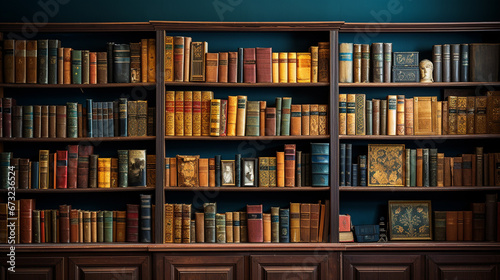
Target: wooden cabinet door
<point x="382" y="267"/>
<point x="201" y="267"/>
<point x="109" y="267"/>
<point x="34" y="268"/>
<point x="290" y="267"/>
<point x="463" y="267"/>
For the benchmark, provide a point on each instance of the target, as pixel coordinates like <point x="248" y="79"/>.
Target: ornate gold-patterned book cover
<point x="206" y="96"/>
<point x="323" y="119"/>
<point x="386" y="165"/>
<point x="170" y="113"/>
<point x="188" y="113"/>
<point x="179" y="113"/>
<point x="480" y="117"/>
<point x="187" y="171"/>
<point x="462" y="115"/>
<point x="452" y="114"/>
<point x="272" y="171"/>
<point x="493" y="111"/>
<point x="142" y="118"/>
<point x="150" y="171"/>
<point x="471" y="111"/>
<point x="169" y="223"/>
<point x="424" y="112"/>
<point x="196" y="113"/>
<point x="351" y="114"/>
<point x="360" y="114"/>
<point x="410" y="220"/>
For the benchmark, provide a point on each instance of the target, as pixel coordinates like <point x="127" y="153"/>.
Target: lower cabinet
<point x="375" y="266"/>
<point x="109" y="267"/>
<point x="277" y="267"/>
<point x="463" y="267"/>
<point x="200" y="267"/>
<point x="33" y="268"/>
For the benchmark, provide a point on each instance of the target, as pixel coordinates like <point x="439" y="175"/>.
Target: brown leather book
<point x="64" y="223"/>
<point x="67" y="65"/>
<point x="357" y="63"/>
<point x="211" y="172"/>
<point x="37" y="121"/>
<point x="290" y="165"/>
<point x="177" y="223"/>
<point x="479" y="167"/>
<point x="451" y="226"/>
<point x="186" y="223"/>
<point x="322" y="119"/>
<point x="296" y="119"/>
<point x="73" y="225"/>
<point x="295" y="222"/>
<point x="480" y="116"/>
<point x="135" y="63"/>
<point x="467" y="225"/>
<point x="200" y="227"/>
<point x="457" y="172"/>
<point x="151" y="60"/>
<point x="173" y="172"/>
<point x="466" y="170"/>
<point x="376" y="116"/>
<point x="270" y="120"/>
<point x="236" y="227"/>
<point x="305" y="222"/>
<point x="150" y="171"/>
<point x="20" y="59"/>
<point x="492" y="167"/>
<point x="471" y="111"/>
<point x="24" y="173"/>
<point x="440" y="169"/>
<point x="315" y="221"/>
<point x="262" y="119"/>
<point x="187" y="171"/>
<point x="144" y="60"/>
<point x="17" y="121"/>
<point x="232" y="67"/>
<point x="400" y="115"/>
<point x="305" y="117"/>
<point x="229" y="227"/>
<point x="187" y="57"/>
<point x="178" y="51"/>
<point x="26" y="216"/>
<point x="255" y="223"/>
<point x="31" y="62"/>
<point x="188" y="113"/>
<point x="408" y="116"/>
<point x="169" y="223"/>
<point x="212" y="68"/>
<point x="223" y="71"/>
<point x="460" y="225"/>
<point x="462" y="115"/>
<point x="87" y="227"/>
<point x="323" y="62"/>
<point x="445" y="118"/>
<point x="314" y="119"/>
<point x="72" y="166"/>
<point x="264" y="65"/>
<point x="102" y="67"/>
<point x="419" y="168"/>
<point x="439" y="228"/>
<point x="491" y="219"/>
<point x="203" y="172"/>
<point x="206" y="96"/>
<point x="478" y="221"/>
<point x="60" y="127"/>
<point x="266" y="228"/>
<point x="9" y="61"/>
<point x="365" y="63"/>
<point x="492" y="108"/>
<point x="60" y="65"/>
<point x="249" y="65"/>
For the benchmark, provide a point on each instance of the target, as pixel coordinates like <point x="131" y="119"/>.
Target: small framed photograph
<point x="227" y="172"/>
<point x="410" y="220"/>
<point x="249" y="172"/>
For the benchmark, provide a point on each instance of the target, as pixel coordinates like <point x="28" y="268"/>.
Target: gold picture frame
<point x="410" y="220"/>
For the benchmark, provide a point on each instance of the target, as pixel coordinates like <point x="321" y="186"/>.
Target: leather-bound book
<point x="35" y="228"/>
<point x="197" y="115"/>
<point x="53" y="128"/>
<point x="400" y="115"/>
<point x="460" y="225"/>
<point x="220" y="228"/>
<point x="104" y="173"/>
<point x="303" y="67"/>
<point x="169" y="223"/>
<point x="467" y="225"/>
<point x="283" y="67"/>
<point x="279" y="105"/>
<point x="285" y="116"/>
<point x="262" y="118"/>
<point x="122" y="168"/>
<point x="60" y="65"/>
<point x="72" y="120"/>
<point x="493" y="118"/>
<point x="452" y="114"/>
<point x="255" y="223"/>
<point x="408" y="116"/>
<point x="448" y="171"/>
<point x="9" y="61"/>
<point x="263" y="65"/>
<point x="377" y="58"/>
<point x="93" y="170"/>
<point x="232" y="67"/>
<point x="464" y="62"/>
<point x="76" y="66"/>
<point x="212" y="68"/>
<point x="457" y="172"/>
<point x="467" y="170"/>
<point x="170" y="113"/>
<point x="360" y="114"/>
<point x="276" y="67"/>
<point x="145" y="219"/>
<point x="292" y="67"/>
<point x="345" y="63"/>
<point x="17" y="121"/>
<point x="229" y="227"/>
<point x="241" y="115"/>
<point x="72" y="166"/>
<point x="270" y="121"/>
<point x="169" y="58"/>
<point x="109" y="56"/>
<point x="43" y="169"/>
<point x="471" y="111"/>
<point x="93" y="226"/>
<point x="80" y="121"/>
<point x="433" y="168"/>
<point x="491" y="219"/>
<point x="186" y="223"/>
<point x="296" y="120"/>
<point x="62" y="169"/>
<point x="275" y="224"/>
<point x="179" y="113"/>
<point x="188" y="113"/>
<point x="440" y="225"/>
<point x="365" y="63"/>
<point x="478" y="221"/>
<point x="87" y="237"/>
<point x="108" y="226"/>
<point x="437" y="60"/>
<point x="136" y="172"/>
<point x="132" y="118"/>
<point x="60" y="121"/>
<point x="323" y="62"/>
<point x="20" y="61"/>
<point x="210" y="209"/>
<point x="357" y="63"/>
<point x="290" y="150"/>
<point x="223" y="118"/>
<point x="249" y="65"/>
<point x="73" y="225"/>
<point x="31" y="61"/>
<point x="455" y="62"/>
<point x="27" y="128"/>
<point x="200" y="227"/>
<point x="151" y="61"/>
<point x="135" y="62"/>
<point x="314" y="222"/>
<point x="206" y="97"/>
<point x="24" y="170"/>
<point x="323" y="119"/>
<point x="236" y="227"/>
<point x="173" y="172"/>
<point x="446" y="63"/>
<point x="67" y="65"/>
<point x="419" y="182"/>
<point x="198" y="50"/>
<point x="84" y="153"/>
<point x="462" y="115"/>
<point x="263" y="171"/>
<point x="445" y="118"/>
<point x="150" y="171"/>
<point x="266" y="227"/>
<point x="203" y="172"/>
<point x="93" y="67"/>
<point x="85" y="67"/>
<point x="217" y="170"/>
<point x="383" y="117"/>
<point x="178" y="59"/>
<point x="102" y="68"/>
<point x="295" y="222"/>
<point x="100" y="226"/>
<point x="64" y="223"/>
<point x="387" y="62"/>
<point x="187" y="168"/>
<point x="391" y="114"/>
<point x="121" y="63"/>
<point x="484" y="62"/>
<point x="440" y="169"/>
<point x="280" y="169"/>
<point x="479" y="167"/>
<point x="223" y="67"/>
<point x="187" y="57"/>
<point x="215" y="117"/>
<point x="320" y="164"/>
<point x="142" y="118"/>
<point x="451" y="226"/>
<point x="376" y="116"/>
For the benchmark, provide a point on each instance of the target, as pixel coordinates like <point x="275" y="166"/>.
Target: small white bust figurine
<point x="426" y="68"/>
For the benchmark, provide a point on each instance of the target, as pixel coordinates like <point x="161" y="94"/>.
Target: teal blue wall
<point x="250" y="10"/>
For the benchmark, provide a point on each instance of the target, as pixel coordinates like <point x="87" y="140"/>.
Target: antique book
<point x="220" y="228"/>
<point x="462" y="115"/>
<point x="76" y="66"/>
<point x="451" y="226"/>
<point x="432" y="167"/>
<point x="320" y="163"/>
<point x="203" y="172"/>
<point x="383" y="117"/>
<point x="460" y="225"/>
<point x="20" y="61"/>
<point x="275" y="68"/>
<point x="62" y="169"/>
<point x="478" y="221"/>
<point x="211" y="172"/>
<point x="314" y="222"/>
<point x="408" y="118"/>
<point x="313" y="119"/>
<point x="263" y="65"/>
<point x="280" y="169"/>
<point x="346" y="63"/>
<point x="440" y="225"/>
<point x="169" y="59"/>
<point x="262" y="118"/>
<point x="295" y="222"/>
<point x="356" y="61"/>
<point x="122" y="168"/>
<point x="64" y="223"/>
<point x="215" y="111"/>
<point x="92" y="68"/>
<point x="169" y="223"/>
<point x="253" y="118"/>
<point x="186" y="223"/>
<point x="386" y="165"/>
<point x="437" y="51"/>
<point x="102" y="67"/>
<point x="295" y="120"/>
<point x="137" y="168"/>
<point x="464" y="62"/>
<point x="229" y="227"/>
<point x="104" y="173"/>
<point x="135" y="62"/>
<point x="457" y="172"/>
<point x="484" y="62"/>
<point x="178" y="50"/>
<point x="400" y="115"/>
<point x="93" y="170"/>
<point x="223" y="67"/>
<point x="263" y="171"/>
<point x="255" y="223"/>
<point x="150" y="171"/>
<point x="200" y="227"/>
<point x="285" y="116"/>
<point x="210" y="209"/>
<point x="375" y="122"/>
<point x="212" y="67"/>
<point x="365" y="63"/>
<point x="187" y="57"/>
<point x="28" y="122"/>
<point x="314" y="63"/>
<point x="85" y="67"/>
<point x="145" y="218"/>
<point x="283" y="67"/>
<point x="323" y="62"/>
<point x="491" y="218"/>
<point x="198" y="50"/>
<point x="179" y="113"/>
<point x="232" y="71"/>
<point x="377" y="62"/>
<point x="187" y="170"/>
<point x="279" y="103"/>
<point x="440" y="169"/>
<point x="292" y="67"/>
<point x="455" y="62"/>
<point x="206" y="97"/>
<point x="249" y="65"/>
<point x="305" y="118"/>
<point x="492" y="112"/>
<point x="196" y="119"/>
<point x="72" y="120"/>
<point x="424" y="111"/>
<point x="188" y="113"/>
<point x="132" y="118"/>
<point x="241" y="115"/>
<point x="270" y="121"/>
<point x="67" y="65"/>
<point x="323" y="119"/>
<point x="151" y="61"/>
<point x="303" y="67"/>
<point x="387" y="62"/>
<point x="17" y="121"/>
<point x="392" y="114"/>
<point x="467" y="225"/>
<point x="305" y="222"/>
<point x="9" y="61"/>
<point x="480" y="120"/>
<point x="170" y="113"/>
<point x="31" y="61"/>
<point x="290" y="165"/>
<point x="72" y="166"/>
<point x="446" y="63"/>
<point x="467" y="170"/>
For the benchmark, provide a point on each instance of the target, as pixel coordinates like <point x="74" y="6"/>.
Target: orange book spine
<point x="93" y="67"/>
<point x="211" y="172"/>
<point x="203" y="172"/>
<point x="280" y="169"/>
<point x="20" y="58"/>
<point x="262" y="119"/>
<point x="67" y="65"/>
<point x="296" y="120"/>
<point x="31" y="61"/>
<point x="290" y="165"/>
<point x="408" y="116"/>
<point x="144" y="60"/>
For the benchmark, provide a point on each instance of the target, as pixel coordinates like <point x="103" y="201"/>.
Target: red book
<point x="64" y="223"/>
<point x="27" y="206"/>
<point x="73" y="226"/>
<point x="93" y="67"/>
<point x="62" y="170"/>
<point x="255" y="223"/>
<point x="223" y="118"/>
<point x="249" y="70"/>
<point x="264" y="65"/>
<point x="132" y="223"/>
<point x="290" y="165"/>
<point x="232" y="68"/>
<point x="42" y="226"/>
<point x="270" y="121"/>
<point x="7" y="117"/>
<point x="84" y="153"/>
<point x="72" y="166"/>
<point x="344" y="223"/>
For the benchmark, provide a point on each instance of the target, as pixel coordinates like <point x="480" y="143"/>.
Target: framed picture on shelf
<point x="228" y="175"/>
<point x="386" y="165"/>
<point x="249" y="172"/>
<point x="410" y="220"/>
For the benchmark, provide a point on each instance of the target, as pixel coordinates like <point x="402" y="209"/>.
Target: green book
<point x="108" y="226"/>
<point x="54" y="228"/>
<point x="72" y="120"/>
<point x="413" y="167"/>
<point x="253" y="118"/>
<point x="433" y="167"/>
<point x="425" y="168"/>
<point x="76" y="66"/>
<point x="122" y="168"/>
<point x="27" y="121"/>
<point x="285" y="116"/>
<point x="279" y="101"/>
<point x="408" y="167"/>
<point x="220" y="227"/>
<point x="42" y="61"/>
<point x="272" y="171"/>
<point x="360" y="114"/>
<point x="100" y="226"/>
<point x="210" y="209"/>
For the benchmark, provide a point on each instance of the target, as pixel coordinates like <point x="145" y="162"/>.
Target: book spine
<point x="239" y="77"/>
<point x="229" y="227"/>
<point x="151" y="60"/>
<point x="223" y="68"/>
<point x="348" y="165"/>
<point x="196" y="119"/>
<point x="292" y="67"/>
<point x="188" y="113"/>
<point x="451" y="226"/>
<point x="17" y="121"/>
<point x="64" y="223"/>
<point x="270" y="122"/>
<point x="455" y="62"/>
<point x="369" y="117"/>
<point x="276" y="67"/>
<point x="20" y="61"/>
<point x="360" y="114"/>
<point x="471" y="111"/>
<point x="241" y="116"/>
<point x="351" y="114"/>
<point x="220" y="228"/>
<point x="212" y="67"/>
<point x="31" y="61"/>
<point x="85" y="67"/>
<point x="178" y="59"/>
<point x="249" y="65"/>
<point x="27" y="131"/>
<point x="283" y="67"/>
<point x="305" y="119"/>
<point x="145" y="219"/>
<point x="102" y="68"/>
<point x="479" y="166"/>
<point x="135" y="63"/>
<point x="383" y="117"/>
<point x="285" y="116"/>
<point x="215" y="105"/>
<point x="462" y="115"/>
<point x="346" y="63"/>
<point x="357" y="63"/>
<point x="76" y="67"/>
<point x="232" y="71"/>
<point x="210" y="209"/>
<point x="9" y="61"/>
<point x="136" y="175"/>
<point x="305" y="222"/>
<point x="295" y="222"/>
<point x="262" y="118"/>
<point x="72" y="120"/>
<point x="433" y="171"/>
<point x="446" y="63"/>
<point x="323" y="62"/>
<point x="437" y="51"/>
<point x="408" y="117"/>
<point x="284" y="225"/>
<point x="93" y="67"/>
<point x="378" y="62"/>
<point x="279" y="103"/>
<point x="464" y="63"/>
<point x="255" y="223"/>
<point x="169" y="59"/>
<point x="391" y="114"/>
<point x="290" y="158"/>
<point x="387" y="62"/>
<point x="72" y="165"/>
<point x="400" y="115"/>
<point x="362" y="170"/>
<point x="223" y="118"/>
<point x="342" y="164"/>
<point x="108" y="226"/>
<point x="365" y="63"/>
<point x="264" y="65"/>
<point x="303" y="67"/>
<point x="62" y="169"/>
<point x="121" y="63"/>
<point x="187" y="57"/>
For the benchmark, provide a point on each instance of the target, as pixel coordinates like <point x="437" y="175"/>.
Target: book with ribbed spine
<point x="150" y="171"/>
<point x="67" y="67"/>
<point x="206" y="97"/>
<point x="229" y="227"/>
<point x="8" y="64"/>
<point x="211" y="172"/>
<point x="198" y="50"/>
<point x="169" y="223"/>
<point x="400" y="115"/>
<point x="263" y="171"/>
<point x="93" y="67"/>
<point x="452" y="114"/>
<point x="360" y="113"/>
<point x="178" y="44"/>
<point x="305" y="119"/>
<point x="186" y="223"/>
<point x="493" y="118"/>
<point x="170" y="113"/>
<point x="232" y="67"/>
<point x="283" y="67"/>
<point x="223" y="118"/>
<point x="464" y="62"/>
<point x="210" y="209"/>
<point x="17" y="121"/>
<point x="85" y="67"/>
<point x="31" y="62"/>
<point x="284" y="225"/>
<point x="346" y="62"/>
<point x="365" y="63"/>
<point x="362" y="163"/>
<point x="322" y="119"/>
<point x="276" y="68"/>
<point x="437" y="51"/>
<point x="232" y="107"/>
<point x="136" y="168"/>
<point x="108" y="226"/>
<point x="377" y="62"/>
<point x="27" y="122"/>
<point x="135" y="62"/>
<point x="320" y="163"/>
<point x="279" y="103"/>
<point x="223" y="67"/>
<point x="285" y="116"/>
<point x="132" y="118"/>
<point x="145" y="218"/>
<point x="215" y="117"/>
<point x="121" y="63"/>
<point x="84" y="153"/>
<point x="290" y="150"/>
<point x="295" y="222"/>
<point x="151" y="60"/>
<point x="292" y="67"/>
<point x="76" y="66"/>
<point x="188" y="113"/>
<point x="104" y="173"/>
<point x="462" y="115"/>
<point x="142" y="118"/>
<point x="196" y="115"/>
<point x="203" y="172"/>
<point x="20" y="61"/>
<point x="263" y="61"/>
<point x="391" y="114"/>
<point x="212" y="67"/>
<point x="241" y="116"/>
<point x="72" y="120"/>
<point x="351" y="114"/>
<point x="220" y="228"/>
<point x="348" y="164"/>
<point x="169" y="58"/>
<point x="356" y="63"/>
<point x="314" y="222"/>
<point x="255" y="223"/>
<point x="323" y="62"/>
<point x="62" y="169"/>
<point x="471" y="111"/>
<point x="342" y="114"/>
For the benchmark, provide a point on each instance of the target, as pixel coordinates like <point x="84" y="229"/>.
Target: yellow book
<point x="169" y="59"/>
<point x="196" y="113"/>
<point x="188" y="113"/>
<point x="314" y="120"/>
<point x="43" y="169"/>
<point x="104" y="172"/>
<point x="452" y="114"/>
<point x="215" y="117"/>
<point x="342" y="114"/>
<point x="351" y="114"/>
<point x="229" y="227"/>
<point x="206" y="96"/>
<point x="272" y="171"/>
<point x="179" y="113"/>
<point x="314" y="64"/>
<point x="439" y="117"/>
<point x="323" y="119"/>
<point x="173" y="172"/>
<point x="276" y="68"/>
<point x="241" y="115"/>
<point x="169" y="223"/>
<point x="232" y="105"/>
<point x="294" y="222"/>
<point x="280" y="169"/>
<point x="462" y="115"/>
<point x="303" y="67"/>
<point x="170" y="113"/>
<point x="283" y="67"/>
<point x="144" y="60"/>
<point x="151" y="60"/>
<point x="292" y="67"/>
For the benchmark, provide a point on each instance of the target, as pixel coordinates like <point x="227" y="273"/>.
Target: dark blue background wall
<point x="250" y="10"/>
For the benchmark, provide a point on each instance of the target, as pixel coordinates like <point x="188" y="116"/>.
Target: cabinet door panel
<point x="203" y="267"/>
<point x="39" y="268"/>
<point x="276" y="267"/>
<point x="109" y="267"/>
<point x="463" y="267"/>
<point x="382" y="266"/>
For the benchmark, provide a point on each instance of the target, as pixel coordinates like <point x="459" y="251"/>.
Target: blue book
<point x="348" y="165"/>
<point x="99" y="119"/>
<point x="217" y="170"/>
<point x="354" y="174"/>
<point x="111" y="127"/>
<point x="320" y="163"/>
<point x="145" y="232"/>
<point x="240" y="65"/>
<point x="105" y="122"/>
<point x="362" y="170"/>
<point x="367" y="233"/>
<point x="90" y="124"/>
<point x="95" y="123"/>
<point x="237" y="170"/>
<point x="284" y="225"/>
<point x="34" y="174"/>
<point x="122" y="106"/>
<point x="342" y="164"/>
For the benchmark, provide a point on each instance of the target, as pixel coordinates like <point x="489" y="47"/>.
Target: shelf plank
<point x="81" y="139"/>
<point x="418" y="189"/>
<point x="81" y="190"/>
<point x="419" y="137"/>
<point x="422" y="246"/>
<point x="244" y="85"/>
<point x="376" y="27"/>
<point x="242" y="138"/>
<point x="245" y="26"/>
<point x="247" y="189"/>
<point x="81" y="27"/>
<point x="423" y="85"/>
<point x="109" y="85"/>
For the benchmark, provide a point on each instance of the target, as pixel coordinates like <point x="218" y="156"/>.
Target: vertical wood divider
<point x="334" y="138"/>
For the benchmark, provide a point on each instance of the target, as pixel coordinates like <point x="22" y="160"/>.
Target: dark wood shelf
<point x="244" y="85"/>
<point x="419" y="137"/>
<point x="378" y="27"/>
<point x="110" y="85"/>
<point x="81" y="139"/>
<point x="241" y="138"/>
<point x="245" y="26"/>
<point x="419" y="189"/>
<point x="423" y="85"/>
<point x="82" y="190"/>
<point x="422" y="246"/>
<point x="247" y="189"/>
<point x="81" y="27"/>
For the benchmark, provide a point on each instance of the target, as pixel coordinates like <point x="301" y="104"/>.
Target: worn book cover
<point x="425" y="114"/>
<point x="386" y="164"/>
<point x="493" y="112"/>
<point x="187" y="171"/>
<point x="410" y="220"/>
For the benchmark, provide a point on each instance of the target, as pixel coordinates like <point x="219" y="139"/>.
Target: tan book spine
<point x="314" y="63"/>
<point x="179" y="113"/>
<point x="400" y="115"/>
<point x="144" y="60"/>
<point x="52" y="121"/>
<point x="223" y="69"/>
<point x="360" y="114"/>
<point x="61" y="121"/>
<point x="93" y="224"/>
<point x="187" y="57"/>
<point x="169" y="58"/>
<point x="342" y="114"/>
<point x="211" y="172"/>
<point x="356" y="61"/>
<point x="480" y="117"/>
<point x="294" y="222"/>
<point x="114" y="172"/>
<point x="236" y="227"/>
<point x="305" y="115"/>
<point x="31" y="62"/>
<point x="215" y="117"/>
<point x="169" y="223"/>
<point x="439" y="117"/>
<point x="365" y="63"/>
<point x="323" y="62"/>
<point x="303" y="67"/>
<point x="178" y="58"/>
<point x="322" y="119"/>
<point x="229" y="227"/>
<point x="170" y="113"/>
<point x="232" y="107"/>
<point x="177" y="223"/>
<point x="151" y="60"/>
<point x="408" y="116"/>
<point x="440" y="170"/>
<point x="173" y="172"/>
<point x="203" y="172"/>
<point x="452" y="114"/>
<point x="471" y="112"/>
<point x="351" y="114"/>
<point x="283" y="67"/>
<point x="276" y="67"/>
<point x="167" y="171"/>
<point x="444" y="116"/>
<point x="241" y="115"/>
<point x="292" y="67"/>
<point x="196" y="118"/>
<point x="280" y="169"/>
<point x="67" y="65"/>
<point x="392" y="114"/>
<point x="376" y="116"/>
<point x="295" y="122"/>
<point x="266" y="227"/>
<point x="462" y="115"/>
<point x="314" y="119"/>
<point x="345" y="63"/>
<point x="305" y="222"/>
<point x="20" y="59"/>
<point x="212" y="67"/>
<point x="186" y="223"/>
<point x="206" y="96"/>
<point x="188" y="113"/>
<point x="262" y="118"/>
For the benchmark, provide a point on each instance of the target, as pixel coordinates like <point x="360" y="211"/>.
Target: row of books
<point x="188" y="61"/>
<point x="47" y="62"/>
<point x="290" y="168"/>
<point x="98" y="119"/>
<point x="78" y="167"/>
<point x="197" y="113"/>
<point x="418" y="115"/>
<point x="359" y="64"/>
<point x="302" y="222"/>
<point x="67" y="225"/>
